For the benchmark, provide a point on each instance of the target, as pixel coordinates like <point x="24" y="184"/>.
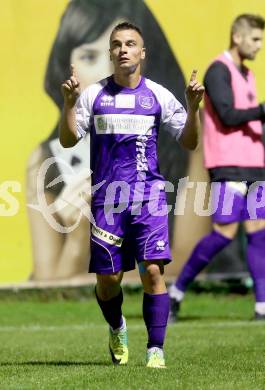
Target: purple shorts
<point x="128" y="234"/>
<point x="237" y="201"/>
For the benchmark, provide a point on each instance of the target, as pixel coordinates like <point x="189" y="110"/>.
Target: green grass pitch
<point x="64" y="345"/>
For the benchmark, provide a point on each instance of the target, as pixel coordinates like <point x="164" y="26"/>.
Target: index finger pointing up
<point x="193" y="75"/>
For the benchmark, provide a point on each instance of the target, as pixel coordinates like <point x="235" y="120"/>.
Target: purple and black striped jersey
<point x="124" y="125"/>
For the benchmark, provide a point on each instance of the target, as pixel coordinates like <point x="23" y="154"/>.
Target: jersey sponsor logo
<point x="107" y="101"/>
<point x="106" y="236"/>
<point x="146" y="102"/>
<point x="123" y="100"/>
<point x="124" y="124"/>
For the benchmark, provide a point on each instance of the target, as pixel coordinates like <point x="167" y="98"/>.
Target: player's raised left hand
<point x="194" y="92"/>
<point x="71" y="88"/>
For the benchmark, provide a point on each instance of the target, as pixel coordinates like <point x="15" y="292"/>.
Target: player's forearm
<point x="67" y="128"/>
<point x="190" y="135"/>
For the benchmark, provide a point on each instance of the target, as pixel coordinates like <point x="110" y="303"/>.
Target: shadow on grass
<point x="56" y="363"/>
<point x="130" y="316"/>
<point x="187" y="318"/>
<point x="222" y="318"/>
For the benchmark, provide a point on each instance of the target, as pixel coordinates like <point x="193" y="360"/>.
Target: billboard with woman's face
<point x="41" y="40"/>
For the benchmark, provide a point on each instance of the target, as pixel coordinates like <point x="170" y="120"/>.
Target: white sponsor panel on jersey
<point x="124" y="124"/>
<point x="124" y="100"/>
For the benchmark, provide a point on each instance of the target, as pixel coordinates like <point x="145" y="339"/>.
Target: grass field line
<point x="77" y="327"/>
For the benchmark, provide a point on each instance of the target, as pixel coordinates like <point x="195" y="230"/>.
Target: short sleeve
<point x="173" y="115"/>
<point x="83" y="114"/>
<point x="84" y="107"/>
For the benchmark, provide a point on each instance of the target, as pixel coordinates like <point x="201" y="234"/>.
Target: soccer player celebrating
<point x="234" y="156"/>
<point x="123" y="114"/>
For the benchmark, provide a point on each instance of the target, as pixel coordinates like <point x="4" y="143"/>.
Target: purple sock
<point x="201" y="256"/>
<point x="155" y="313"/>
<point x="111" y="310"/>
<point x="256" y="262"/>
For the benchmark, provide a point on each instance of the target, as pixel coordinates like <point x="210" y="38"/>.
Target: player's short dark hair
<point x="253" y="21"/>
<point x="127" y="26"/>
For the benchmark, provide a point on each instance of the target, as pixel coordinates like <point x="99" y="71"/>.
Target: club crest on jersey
<point x="146" y="102"/>
<point x="107" y="101"/>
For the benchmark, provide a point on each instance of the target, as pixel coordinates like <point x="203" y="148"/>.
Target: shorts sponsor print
<point x="137" y="234"/>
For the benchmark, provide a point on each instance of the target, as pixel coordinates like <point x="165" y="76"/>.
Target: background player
<point x="233" y="153"/>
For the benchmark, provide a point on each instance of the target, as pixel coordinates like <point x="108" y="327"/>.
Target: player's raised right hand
<point x="71" y="88"/>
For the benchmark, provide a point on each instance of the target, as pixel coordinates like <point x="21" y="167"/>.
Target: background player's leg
<point x="201" y="256"/>
<point x="155" y="308"/>
<point x="256" y="262"/>
<point x="203" y="252"/>
<point x="227" y="205"/>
